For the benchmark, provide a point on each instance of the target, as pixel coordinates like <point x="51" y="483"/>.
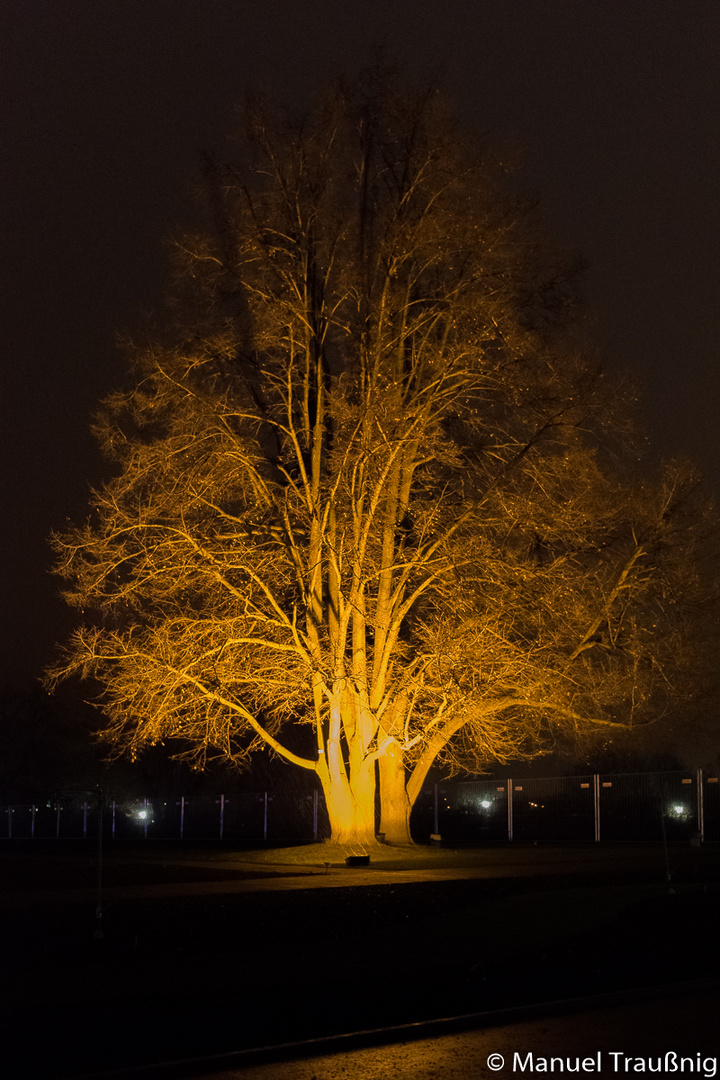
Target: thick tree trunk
<point x="351" y="807"/>
<point x="394" y="802"/>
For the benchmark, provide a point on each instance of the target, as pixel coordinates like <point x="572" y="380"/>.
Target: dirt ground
<point x="206" y="949"/>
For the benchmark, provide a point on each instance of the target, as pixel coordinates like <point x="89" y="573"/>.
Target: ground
<point x="207" y="948"/>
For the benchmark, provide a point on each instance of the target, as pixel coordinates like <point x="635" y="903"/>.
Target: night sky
<point x="106" y="107"/>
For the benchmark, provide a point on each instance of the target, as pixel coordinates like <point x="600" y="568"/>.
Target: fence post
<point x="222" y="815"/>
<point x="113" y="819"/>
<point x="510" y="808"/>
<point x="98" y="933"/>
<point x="265" y="800"/>
<point x="596" y="805"/>
<point x="182" y="817"/>
<point x="436" y="813"/>
<point x="315" y="814"/>
<point x="700" y="805"/>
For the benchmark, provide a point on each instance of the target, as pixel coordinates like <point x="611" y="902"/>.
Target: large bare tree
<point x="362" y="515"/>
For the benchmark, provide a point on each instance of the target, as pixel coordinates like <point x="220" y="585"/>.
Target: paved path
<point x="673" y="1035"/>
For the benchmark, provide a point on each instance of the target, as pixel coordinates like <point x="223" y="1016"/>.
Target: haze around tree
<point x="374" y="507"/>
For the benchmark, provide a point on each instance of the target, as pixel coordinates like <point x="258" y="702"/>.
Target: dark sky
<point x="107" y="105"/>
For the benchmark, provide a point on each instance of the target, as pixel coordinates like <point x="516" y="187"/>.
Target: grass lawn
<point x="416" y="856"/>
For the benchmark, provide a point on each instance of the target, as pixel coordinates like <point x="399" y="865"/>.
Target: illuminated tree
<point x="363" y="516"/>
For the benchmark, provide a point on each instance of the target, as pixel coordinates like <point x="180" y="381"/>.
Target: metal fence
<point x="602" y="807"/>
<point x="612" y="807"/>
<point x="248" y="816"/>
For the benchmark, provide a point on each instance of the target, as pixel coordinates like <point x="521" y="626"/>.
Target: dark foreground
<point x="204" y="956"/>
<point x="669" y="1033"/>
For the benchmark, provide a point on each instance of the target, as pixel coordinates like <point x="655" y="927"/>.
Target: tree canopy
<point x="371" y="508"/>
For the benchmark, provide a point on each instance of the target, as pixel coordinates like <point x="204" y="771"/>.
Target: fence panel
<point x="648" y="806"/>
<point x="201" y="818"/>
<point x="421" y="815"/>
<point x="553" y="810"/>
<point x="46" y="821"/>
<point x="127" y="819"/>
<point x="471" y="811"/>
<point x="244" y="815"/>
<point x="291" y="815"/>
<point x="166" y="818"/>
<point x="76" y="817"/>
<point x="17" y="822"/>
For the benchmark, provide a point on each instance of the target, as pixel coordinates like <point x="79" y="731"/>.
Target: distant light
<point x="679" y="810"/>
<point x="142" y="814"/>
<point x="485" y="804"/>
